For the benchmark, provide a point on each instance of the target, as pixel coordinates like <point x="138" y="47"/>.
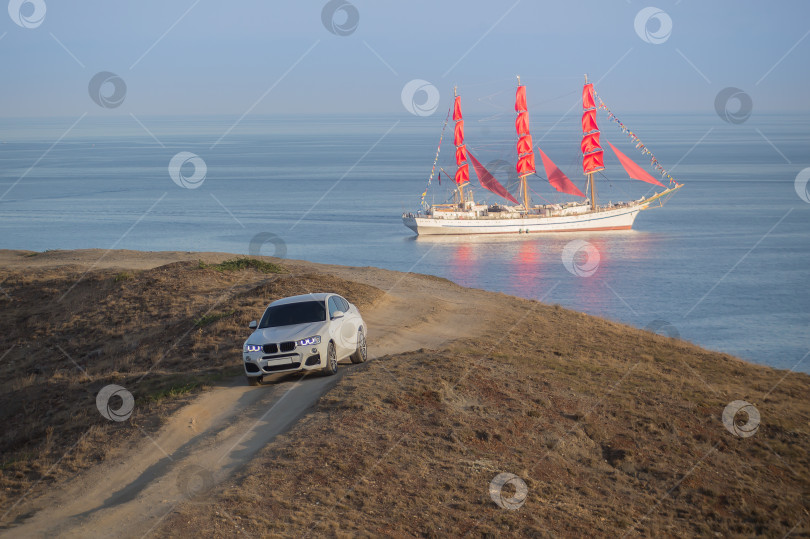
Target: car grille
<point x="279" y="356"/>
<point x="287" y="366"/>
<point x="273" y="348"/>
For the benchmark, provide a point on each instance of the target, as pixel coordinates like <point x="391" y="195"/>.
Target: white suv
<point x="308" y="332"/>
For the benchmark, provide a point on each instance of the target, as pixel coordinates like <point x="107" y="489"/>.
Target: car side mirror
<point x="253" y="324"/>
<point x="337" y="314"/>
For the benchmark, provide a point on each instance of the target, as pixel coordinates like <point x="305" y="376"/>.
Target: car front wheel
<point x="361" y="353"/>
<point x="331" y="360"/>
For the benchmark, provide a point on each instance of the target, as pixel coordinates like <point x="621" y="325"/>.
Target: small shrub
<point x="175" y="391"/>
<point x="212" y="317"/>
<point x="237" y="264"/>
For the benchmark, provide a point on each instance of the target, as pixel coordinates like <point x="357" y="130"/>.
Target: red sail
<point x="458" y="134"/>
<point x="593" y="162"/>
<point x="590" y="143"/>
<point x="463" y="171"/>
<point x="633" y="170"/>
<point x="587" y="97"/>
<point x="463" y="174"/>
<point x="525" y="164"/>
<point x="488" y="181"/>
<point x="557" y="179"/>
<point x="524" y="144"/>
<point x="520" y="99"/>
<point x="461" y="155"/>
<point x="592" y="154"/>
<point x="522" y="123"/>
<point x="589" y="121"/>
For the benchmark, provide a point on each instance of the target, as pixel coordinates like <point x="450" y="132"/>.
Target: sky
<point x="199" y="57"/>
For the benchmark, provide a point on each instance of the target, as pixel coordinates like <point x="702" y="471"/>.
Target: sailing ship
<point x="464" y="216"/>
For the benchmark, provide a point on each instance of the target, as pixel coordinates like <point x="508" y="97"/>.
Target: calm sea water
<point x="725" y="262"/>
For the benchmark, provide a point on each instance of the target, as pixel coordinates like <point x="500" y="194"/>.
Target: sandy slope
<point x="207" y="440"/>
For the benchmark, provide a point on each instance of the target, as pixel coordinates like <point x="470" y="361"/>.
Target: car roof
<point x="319" y="296"/>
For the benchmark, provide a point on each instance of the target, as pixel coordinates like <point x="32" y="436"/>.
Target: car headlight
<point x="309" y="341"/>
<point x="253" y="348"/>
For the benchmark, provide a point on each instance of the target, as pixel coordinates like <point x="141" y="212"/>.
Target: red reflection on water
<point x="463" y="267"/>
<point x="527" y="270"/>
<point x="592" y="291"/>
<point x="531" y="267"/>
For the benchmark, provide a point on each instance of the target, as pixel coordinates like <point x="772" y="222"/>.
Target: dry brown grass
<point x="614" y="430"/>
<point x="163" y="333"/>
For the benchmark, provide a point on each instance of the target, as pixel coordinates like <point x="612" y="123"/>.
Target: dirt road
<point x="222" y="429"/>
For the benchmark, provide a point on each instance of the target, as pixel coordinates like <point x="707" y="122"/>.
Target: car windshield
<point x="293" y="313"/>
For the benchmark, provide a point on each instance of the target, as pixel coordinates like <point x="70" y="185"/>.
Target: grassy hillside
<point x="163" y="333"/>
<point x="613" y="430"/>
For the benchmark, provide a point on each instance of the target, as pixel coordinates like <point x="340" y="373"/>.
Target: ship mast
<point x="525" y="164"/>
<point x="524" y="185"/>
<point x="591" y="183"/>
<point x="592" y="153"/>
<point x="462" y="177"/>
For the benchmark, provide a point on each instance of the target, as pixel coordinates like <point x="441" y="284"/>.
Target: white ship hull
<point x="610" y="219"/>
